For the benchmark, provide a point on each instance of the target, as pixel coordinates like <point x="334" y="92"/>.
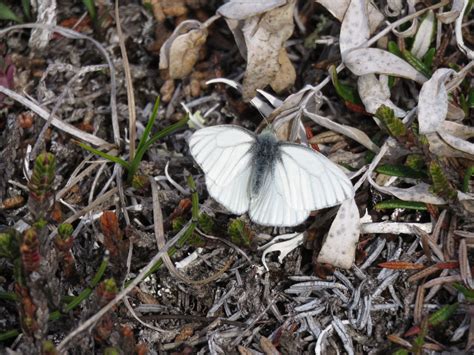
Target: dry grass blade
<point x="132" y="116"/>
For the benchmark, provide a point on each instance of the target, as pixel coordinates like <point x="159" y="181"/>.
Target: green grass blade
<point x="149" y="125"/>
<point x="144" y="147"/>
<point x="396" y="203"/>
<point x="7" y="14"/>
<point x="104" y="155"/>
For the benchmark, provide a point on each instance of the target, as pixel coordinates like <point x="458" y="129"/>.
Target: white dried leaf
<point x="424" y="35"/>
<point x="339" y="246"/>
<point x="451" y="15"/>
<point x="394" y="228"/>
<point x="265" y="35"/>
<point x="374" y="93"/>
<point x="243" y="9"/>
<point x="416" y="193"/>
<point x="440" y="148"/>
<point x="433" y="101"/>
<point x="458" y="31"/>
<point x="467" y="201"/>
<point x="354" y="28"/>
<point x="338" y="9"/>
<point x="46" y="15"/>
<point x="290" y="243"/>
<point x="409" y="32"/>
<point x="455" y="113"/>
<point x="457" y="143"/>
<point x="458" y="130"/>
<point x="377" y="61"/>
<point x="348" y="131"/>
<point x="394" y="7"/>
<point x="180" y="52"/>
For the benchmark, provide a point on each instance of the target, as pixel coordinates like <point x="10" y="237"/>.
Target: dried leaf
<point x="243" y="9"/>
<point x="420" y="193"/>
<point x="424" y="36"/>
<point x="354" y="28"/>
<point x="451" y="15"/>
<point x="458" y="143"/>
<point x="401" y="265"/>
<point x="180" y="52"/>
<point x="433" y="101"/>
<point x="338" y="9"/>
<point x="458" y="31"/>
<point x="375" y="92"/>
<point x="339" y="246"/>
<point x="377" y="61"/>
<point x="348" y="131"/>
<point x="438" y="146"/>
<point x="286" y="74"/>
<point x="264" y="37"/>
<point x="291" y="242"/>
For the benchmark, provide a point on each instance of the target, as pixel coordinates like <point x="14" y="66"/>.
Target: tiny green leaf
<point x="394" y="125"/>
<point x="400" y="171"/>
<point x="347" y="93"/>
<point x="416" y="63"/>
<point x="441" y="185"/>
<point x="443" y="314"/>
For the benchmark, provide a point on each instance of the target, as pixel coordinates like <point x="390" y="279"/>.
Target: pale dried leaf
<point x="439" y="147"/>
<point x="243" y="9"/>
<point x="394" y="7"/>
<point x="377" y="61"/>
<point x="338" y="9"/>
<point x="374" y="93"/>
<point x="286" y="74"/>
<point x="451" y="15"/>
<point x="339" y="245"/>
<point x="458" y="31"/>
<point x="458" y="130"/>
<point x="348" y="131"/>
<point x="467" y="201"/>
<point x="457" y="143"/>
<point x="354" y="28"/>
<point x="424" y="35"/>
<point x="433" y="101"/>
<point x="394" y="228"/>
<point x="419" y="193"/>
<point x="264" y="37"/>
<point x="291" y="242"/>
<point x="455" y="113"/>
<point x="180" y="52"/>
<point x="409" y="32"/>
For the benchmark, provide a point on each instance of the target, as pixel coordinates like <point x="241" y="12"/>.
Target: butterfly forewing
<point x="223" y="153"/>
<point x="308" y="180"/>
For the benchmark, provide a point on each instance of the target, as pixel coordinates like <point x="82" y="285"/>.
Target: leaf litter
<point x="192" y="277"/>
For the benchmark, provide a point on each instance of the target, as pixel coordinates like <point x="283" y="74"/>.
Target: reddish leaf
<point x="401" y="265"/>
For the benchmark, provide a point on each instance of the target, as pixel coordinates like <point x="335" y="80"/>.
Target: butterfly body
<point x="277" y="183"/>
<point x="265" y="154"/>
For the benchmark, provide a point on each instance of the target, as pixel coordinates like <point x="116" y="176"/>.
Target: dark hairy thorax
<point x="265" y="152"/>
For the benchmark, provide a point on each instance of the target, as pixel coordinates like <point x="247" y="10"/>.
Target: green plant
<point x="143" y="145"/>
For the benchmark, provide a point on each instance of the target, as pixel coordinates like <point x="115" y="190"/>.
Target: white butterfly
<point x="277" y="183"/>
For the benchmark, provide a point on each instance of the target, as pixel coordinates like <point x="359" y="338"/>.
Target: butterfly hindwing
<point x="308" y="180"/>
<point x="269" y="207"/>
<point x="223" y="153"/>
